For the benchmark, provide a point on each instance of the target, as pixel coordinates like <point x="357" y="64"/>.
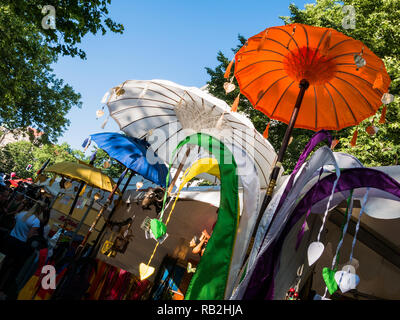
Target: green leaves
<point x="30" y="95"/>
<point x="17" y="155"/>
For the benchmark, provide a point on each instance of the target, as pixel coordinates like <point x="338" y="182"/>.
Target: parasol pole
<point x="100" y="235"/>
<point x="178" y="171"/>
<point x="303" y="85"/>
<point x="82" y="220"/>
<point x="104" y="208"/>
<point x="41" y="169"/>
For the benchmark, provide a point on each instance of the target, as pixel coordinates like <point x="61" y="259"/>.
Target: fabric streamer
<point x="261" y="282"/>
<point x="358" y="223"/>
<point x="216" y="260"/>
<point x="329" y="274"/>
<point x="259" y="262"/>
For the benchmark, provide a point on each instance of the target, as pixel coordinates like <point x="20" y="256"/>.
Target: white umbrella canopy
<point x="164" y="113"/>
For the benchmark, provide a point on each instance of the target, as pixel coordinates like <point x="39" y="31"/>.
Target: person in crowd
<point x="17" y="203"/>
<point x="199" y="245"/>
<point x="4" y="195"/>
<point x="18" y="248"/>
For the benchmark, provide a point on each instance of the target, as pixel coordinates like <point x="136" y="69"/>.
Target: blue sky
<point x="173" y="40"/>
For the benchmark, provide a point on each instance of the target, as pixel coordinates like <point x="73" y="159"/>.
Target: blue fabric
<point x="132" y="152"/>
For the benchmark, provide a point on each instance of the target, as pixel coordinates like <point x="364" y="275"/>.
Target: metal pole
<point x="82" y="220"/>
<point x="104" y="208"/>
<point x="101" y="233"/>
<point x="304" y="84"/>
<point x="178" y="171"/>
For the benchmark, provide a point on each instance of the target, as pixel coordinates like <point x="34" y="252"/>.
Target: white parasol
<point x="164" y="113"/>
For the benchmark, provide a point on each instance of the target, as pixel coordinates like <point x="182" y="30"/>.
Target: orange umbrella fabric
<point x="343" y="90"/>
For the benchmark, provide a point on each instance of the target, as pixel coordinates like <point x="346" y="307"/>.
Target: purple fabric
<point x="314" y="141"/>
<point x="261" y="283"/>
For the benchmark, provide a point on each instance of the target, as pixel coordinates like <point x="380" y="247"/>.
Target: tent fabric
<point x="210" y="280"/>
<point x="133" y="153"/>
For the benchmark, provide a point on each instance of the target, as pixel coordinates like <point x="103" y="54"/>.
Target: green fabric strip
<point x="210" y="278"/>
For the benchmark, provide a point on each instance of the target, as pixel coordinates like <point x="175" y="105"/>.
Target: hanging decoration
<point x="372" y="130"/>
<point x="235" y="103"/>
<point x="228" y="69"/>
<point x="327" y="273"/>
<point x="89" y="194"/>
<point x="229" y="86"/>
<point x="100" y="113"/>
<point x="266" y="131"/>
<point x="387" y="98"/>
<point x="107" y="164"/>
<point x="353" y="141"/>
<point x="334" y="143"/>
<point x="82" y="191"/>
<point x="347" y="279"/>
<point x="62" y="183"/>
<point x="359" y="60"/>
<point x="316" y="249"/>
<point x="190" y="268"/>
<point x="293" y="293"/>
<point x="97" y="196"/>
<point x="383" y="115"/>
<point x="139" y="185"/>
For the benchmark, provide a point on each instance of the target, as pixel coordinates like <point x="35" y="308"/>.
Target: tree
<point x="30" y="95"/>
<point x="16" y="156"/>
<point x="376" y="26"/>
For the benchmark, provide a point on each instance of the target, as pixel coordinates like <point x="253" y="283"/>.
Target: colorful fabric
<point x="28" y="291"/>
<point x="267" y="261"/>
<point x="210" y="280"/>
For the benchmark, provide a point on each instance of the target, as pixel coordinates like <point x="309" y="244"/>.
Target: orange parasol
<point x="309" y="77"/>
<point x="346" y="80"/>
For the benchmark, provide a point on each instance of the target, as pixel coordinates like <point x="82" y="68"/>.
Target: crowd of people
<point x="24" y="217"/>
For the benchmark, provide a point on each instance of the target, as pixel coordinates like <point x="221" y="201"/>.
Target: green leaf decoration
<point x="158" y="228"/>
<point x="329" y="278"/>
